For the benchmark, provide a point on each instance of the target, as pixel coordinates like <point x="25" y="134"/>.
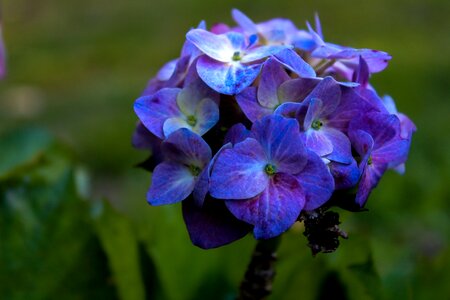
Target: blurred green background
<point x="74" y="223"/>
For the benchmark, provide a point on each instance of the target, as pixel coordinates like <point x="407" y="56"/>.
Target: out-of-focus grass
<point x="75" y="67"/>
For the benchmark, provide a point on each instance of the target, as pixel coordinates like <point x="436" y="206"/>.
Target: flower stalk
<point x="258" y="279"/>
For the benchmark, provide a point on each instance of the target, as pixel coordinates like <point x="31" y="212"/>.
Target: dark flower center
<point x="270" y="169"/>
<point x="195" y="170"/>
<point x="317" y="124"/>
<point x="191" y="120"/>
<point x="236" y="56"/>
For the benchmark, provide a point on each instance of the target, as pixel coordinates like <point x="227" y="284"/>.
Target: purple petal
<point x="369" y="180"/>
<point x="225" y="78"/>
<point x="291" y="60"/>
<point x="171" y="183"/>
<point x="185" y="147"/>
<point x="318" y="142"/>
<point x="303" y="40"/>
<point x="173" y="124"/>
<point x="207" y="114"/>
<point x="258" y="53"/>
<point x="275" y="210"/>
<point x="154" y="110"/>
<point x="167" y="70"/>
<point x="288" y="109"/>
<point x="237" y="133"/>
<point x="202" y="186"/>
<point x="220" y="28"/>
<point x="277" y="31"/>
<point x="362" y="75"/>
<point x="144" y="139"/>
<point x="280" y="139"/>
<point x="272" y="76"/>
<point x="218" y="47"/>
<point x="316" y="181"/>
<point x="315" y="107"/>
<point x="345" y="175"/>
<point x="179" y="73"/>
<point x="363" y="144"/>
<point x="376" y="60"/>
<point x="296" y="90"/>
<point x="250" y="106"/>
<point x="239" y="172"/>
<point x="407" y="127"/>
<point x="382" y="127"/>
<point x="194" y="90"/>
<point x="393" y="153"/>
<point x="212" y="225"/>
<point x="342" y="151"/>
<point x="318" y="25"/>
<point x="329" y="92"/>
<point x="352" y="106"/>
<point x="189" y="49"/>
<point x="242" y="20"/>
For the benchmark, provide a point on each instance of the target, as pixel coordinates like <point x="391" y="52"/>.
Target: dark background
<point x="66" y="119"/>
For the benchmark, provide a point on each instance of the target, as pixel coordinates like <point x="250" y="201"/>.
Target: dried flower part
<point x="322" y="230"/>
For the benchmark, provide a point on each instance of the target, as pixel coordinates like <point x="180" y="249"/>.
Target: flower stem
<point x="258" y="279"/>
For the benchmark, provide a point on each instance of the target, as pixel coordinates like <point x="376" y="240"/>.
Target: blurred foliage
<point x="75" y="68"/>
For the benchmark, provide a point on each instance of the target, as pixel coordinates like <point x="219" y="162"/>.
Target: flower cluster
<point x="255" y="123"/>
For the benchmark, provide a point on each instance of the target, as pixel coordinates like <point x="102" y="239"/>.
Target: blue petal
<point x="272" y="76"/>
<point x="153" y="111"/>
<point x="239" y="172"/>
<point x="288" y="109"/>
<point x="280" y="139"/>
<point x="275" y="210"/>
<point x="207" y="114"/>
<point x="218" y="47"/>
<point x="345" y="175"/>
<point x="342" y="151"/>
<point x="250" y="106"/>
<point x="185" y="147"/>
<point x="243" y="21"/>
<point x="212" y="225"/>
<point x="316" y="181"/>
<point x="237" y="133"/>
<point x="171" y="183"/>
<point x="291" y="60"/>
<point x="259" y="53"/>
<point x="226" y="78"/>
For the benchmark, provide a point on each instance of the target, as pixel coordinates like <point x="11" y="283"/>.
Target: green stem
<point x="258" y="279"/>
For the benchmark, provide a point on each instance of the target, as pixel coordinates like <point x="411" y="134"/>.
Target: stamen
<point x="270" y="169"/>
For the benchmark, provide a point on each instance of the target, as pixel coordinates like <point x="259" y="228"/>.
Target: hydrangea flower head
<point x="258" y="125"/>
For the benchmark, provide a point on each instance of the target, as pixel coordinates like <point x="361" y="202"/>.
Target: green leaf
<point x="46" y="238"/>
<point x="119" y="241"/>
<point x="21" y="149"/>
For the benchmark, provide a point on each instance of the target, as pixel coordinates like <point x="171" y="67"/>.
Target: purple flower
<point x="324" y="117"/>
<point x="347" y="59"/>
<point x="231" y="62"/>
<point x="194" y="107"/>
<point x="274" y="93"/>
<point x="407" y="128"/>
<point x="186" y="156"/>
<point x="376" y="137"/>
<point x="276" y="31"/>
<point x="268" y="178"/>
